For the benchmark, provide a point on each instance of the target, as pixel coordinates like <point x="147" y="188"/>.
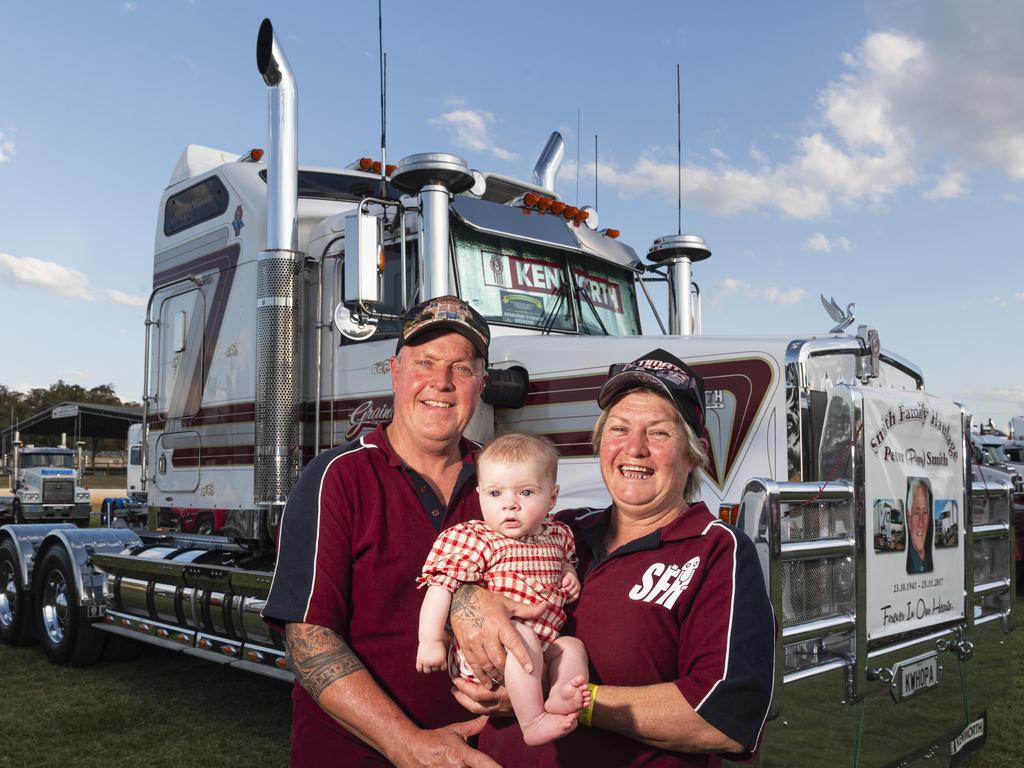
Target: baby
<point x="520" y="553"/>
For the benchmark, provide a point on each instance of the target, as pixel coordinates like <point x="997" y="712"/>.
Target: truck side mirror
<point x="364" y="258"/>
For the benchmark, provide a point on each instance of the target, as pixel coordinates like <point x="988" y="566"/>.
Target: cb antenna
<point x="383" y="94"/>
<point x="679" y="153"/>
<point x="595" y="170"/>
<point x="578" y="136"/>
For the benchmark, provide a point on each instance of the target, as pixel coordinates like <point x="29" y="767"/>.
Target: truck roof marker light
<point x="254" y="155"/>
<point x="365" y="163"/>
<point x="612" y="233"/>
<point x="581" y="215"/>
<point x="375" y="166"/>
<point x="530" y="199"/>
<point x="557" y="207"/>
<point x="389" y="169"/>
<point x="570" y="212"/>
<point x="544" y="203"/>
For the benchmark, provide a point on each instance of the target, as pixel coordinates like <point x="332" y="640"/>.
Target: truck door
<point x="179" y="377"/>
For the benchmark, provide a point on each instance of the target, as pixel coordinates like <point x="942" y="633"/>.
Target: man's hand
<point x="444" y="748"/>
<point x="480" y="699"/>
<point x="571" y="584"/>
<point x="481" y="622"/>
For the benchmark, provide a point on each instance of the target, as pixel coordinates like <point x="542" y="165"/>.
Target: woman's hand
<point x="481" y="622"/>
<point x="481" y="700"/>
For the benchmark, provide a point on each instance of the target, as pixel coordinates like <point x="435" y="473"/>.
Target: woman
<point x="673" y="612"/>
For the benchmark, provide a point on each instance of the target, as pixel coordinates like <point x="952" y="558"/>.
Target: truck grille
<point x="58" y="491"/>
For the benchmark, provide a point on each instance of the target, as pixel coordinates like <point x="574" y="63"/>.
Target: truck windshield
<point x="47" y="460"/>
<point x="512" y="282"/>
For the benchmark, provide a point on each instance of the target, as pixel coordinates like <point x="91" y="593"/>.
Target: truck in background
<point x="247" y="378"/>
<point x="45" y="485"/>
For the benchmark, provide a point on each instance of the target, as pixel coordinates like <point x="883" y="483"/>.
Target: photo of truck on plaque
<point x="947" y="523"/>
<point x="890" y="529"/>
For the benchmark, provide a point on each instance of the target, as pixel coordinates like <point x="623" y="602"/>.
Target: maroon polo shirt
<point x="355" y="533"/>
<point x="685" y="604"/>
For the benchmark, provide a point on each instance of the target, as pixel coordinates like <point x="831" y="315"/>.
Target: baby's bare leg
<point x="567" y="671"/>
<point x="527" y="695"/>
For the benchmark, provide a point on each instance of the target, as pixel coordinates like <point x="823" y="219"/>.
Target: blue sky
<point x="869" y="151"/>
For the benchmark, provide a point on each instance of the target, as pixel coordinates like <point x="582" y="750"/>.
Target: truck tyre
<point x="62" y="628"/>
<point x="15" y="601"/>
<point x="204" y="524"/>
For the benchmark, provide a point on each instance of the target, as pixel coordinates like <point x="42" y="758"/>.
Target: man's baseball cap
<point x="445" y="313"/>
<point x="664" y="373"/>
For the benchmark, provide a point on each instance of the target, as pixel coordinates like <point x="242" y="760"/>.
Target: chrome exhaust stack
<point x="435" y="177"/>
<point x="550" y="160"/>
<point x="277" y="450"/>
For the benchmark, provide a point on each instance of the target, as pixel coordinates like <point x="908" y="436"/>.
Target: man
<point x="357" y="528"/>
<point x="919" y="520"/>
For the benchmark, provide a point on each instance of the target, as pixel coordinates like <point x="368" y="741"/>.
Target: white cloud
<point x="818" y="242"/>
<point x="719" y="154"/>
<point x="1009" y="197"/>
<point x="125" y="298"/>
<point x="6" y="148"/>
<point x="471" y="129"/>
<point x="952" y="184"/>
<point x="128" y="7"/>
<point x="1007" y="395"/>
<point x="998" y="301"/>
<point x="1019" y="296"/>
<point x="56" y="278"/>
<point x="944" y="82"/>
<point x="769" y="294"/>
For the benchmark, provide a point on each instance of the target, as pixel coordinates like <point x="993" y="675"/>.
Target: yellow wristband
<point x="588" y="711"/>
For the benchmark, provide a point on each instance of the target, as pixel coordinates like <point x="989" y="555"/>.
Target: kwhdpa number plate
<point x="913" y="676"/>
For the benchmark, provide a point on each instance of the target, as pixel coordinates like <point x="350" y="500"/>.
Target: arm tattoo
<point x="318" y="657"/>
<point x="466" y="606"/>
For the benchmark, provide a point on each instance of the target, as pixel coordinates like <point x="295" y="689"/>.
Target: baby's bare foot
<point x="568" y="698"/>
<point x="547" y="727"/>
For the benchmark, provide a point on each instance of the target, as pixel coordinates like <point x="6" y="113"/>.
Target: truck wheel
<point x="15" y="615"/>
<point x="64" y="633"/>
<point x="204" y="524"/>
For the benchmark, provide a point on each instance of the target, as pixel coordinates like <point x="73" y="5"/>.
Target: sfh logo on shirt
<point x="663" y="584"/>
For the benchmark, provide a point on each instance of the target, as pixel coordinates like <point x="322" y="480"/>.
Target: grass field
<point x="167" y="710"/>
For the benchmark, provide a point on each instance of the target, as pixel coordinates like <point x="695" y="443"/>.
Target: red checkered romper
<point x="528" y="570"/>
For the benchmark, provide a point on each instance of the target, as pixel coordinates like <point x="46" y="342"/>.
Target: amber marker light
<point x="376" y="166"/>
<point x="530" y="199"/>
<point x="544" y="203"/>
<point x="365" y="163"/>
<point x="281" y="663"/>
<point x="612" y="233"/>
<point x="389" y="169"/>
<point x="729" y="513"/>
<point x="557" y="207"/>
<point x="570" y="212"/>
<point x="256" y="155"/>
<point x="581" y="216"/>
<point x="380" y="259"/>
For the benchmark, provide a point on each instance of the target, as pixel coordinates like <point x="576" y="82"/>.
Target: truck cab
<point x="46" y="488"/>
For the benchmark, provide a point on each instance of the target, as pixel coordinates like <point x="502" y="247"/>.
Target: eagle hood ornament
<point x="842" y="319"/>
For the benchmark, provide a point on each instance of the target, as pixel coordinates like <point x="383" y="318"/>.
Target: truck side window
<point x="200" y="202"/>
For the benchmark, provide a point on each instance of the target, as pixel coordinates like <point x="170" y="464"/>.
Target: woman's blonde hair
<point x="695" y="449"/>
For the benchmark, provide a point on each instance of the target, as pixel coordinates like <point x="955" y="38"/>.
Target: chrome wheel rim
<point x="55" y="607"/>
<point x="8" y="594"/>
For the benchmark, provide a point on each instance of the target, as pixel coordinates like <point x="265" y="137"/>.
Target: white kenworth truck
<point x="277" y="295"/>
<point x="45" y="485"/>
